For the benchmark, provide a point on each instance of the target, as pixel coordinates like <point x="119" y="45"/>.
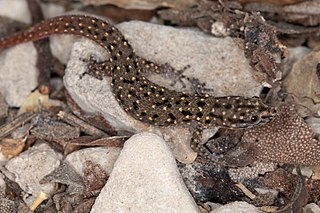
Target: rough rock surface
<point x="18" y="77"/>
<point x="239" y="207"/>
<point x="143" y="4"/>
<point x="145" y="178"/>
<point x="105" y="157"/>
<point x="304" y="72"/>
<point x="32" y="165"/>
<point x="311" y="208"/>
<point x="20" y="8"/>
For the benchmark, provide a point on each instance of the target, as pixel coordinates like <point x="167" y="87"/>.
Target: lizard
<point x="138" y="96"/>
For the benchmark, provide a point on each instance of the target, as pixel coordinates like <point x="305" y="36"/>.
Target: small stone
<point x="304" y="72"/>
<point x="239" y="207"/>
<point x="61" y="47"/>
<point x="105" y="157"/>
<point x="250" y="172"/>
<point x="305" y="171"/>
<point x="20" y="8"/>
<point x="3" y="109"/>
<point x="314" y="123"/>
<point x="212" y="206"/>
<point x="311" y="208"/>
<point x="218" y="29"/>
<point x="179" y="141"/>
<point x="2" y="183"/>
<point x="32" y="165"/>
<point x="143" y="4"/>
<point x="294" y="54"/>
<point x="18" y="77"/>
<point x="145" y="178"/>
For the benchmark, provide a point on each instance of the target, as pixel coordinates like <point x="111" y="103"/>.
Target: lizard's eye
<point x="253" y="118"/>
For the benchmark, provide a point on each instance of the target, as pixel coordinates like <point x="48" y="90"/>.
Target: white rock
<point x="143" y="4"/>
<point x="178" y="140"/>
<point x="15" y="9"/>
<point x="238" y="207"/>
<point x="105" y="157"/>
<point x="294" y="54"/>
<point x="61" y="47"/>
<point x="305" y="171"/>
<point x="311" y="208"/>
<point x="212" y="206"/>
<point x="2" y="183"/>
<point x="32" y="165"/>
<point x="314" y="123"/>
<point x="22" y="12"/>
<point x="145" y="178"/>
<point x="51" y="10"/>
<point x="18" y="73"/>
<point x="218" y="62"/>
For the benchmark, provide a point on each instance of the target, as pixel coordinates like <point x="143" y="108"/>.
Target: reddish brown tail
<point x="90" y="27"/>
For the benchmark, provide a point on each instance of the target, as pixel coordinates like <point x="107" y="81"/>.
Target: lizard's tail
<point x="92" y="28"/>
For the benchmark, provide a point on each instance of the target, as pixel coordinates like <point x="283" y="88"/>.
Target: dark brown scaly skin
<point x="138" y="96"/>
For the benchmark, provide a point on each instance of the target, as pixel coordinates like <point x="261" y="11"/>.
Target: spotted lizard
<point x="138" y="96"/>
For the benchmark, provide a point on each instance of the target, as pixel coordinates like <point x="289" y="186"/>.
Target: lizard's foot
<point x="174" y="74"/>
<point x="198" y="87"/>
<point x="96" y="68"/>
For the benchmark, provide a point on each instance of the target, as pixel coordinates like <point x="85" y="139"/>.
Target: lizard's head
<point x="240" y="112"/>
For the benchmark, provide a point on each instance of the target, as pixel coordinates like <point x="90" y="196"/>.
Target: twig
<point x="85" y="127"/>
